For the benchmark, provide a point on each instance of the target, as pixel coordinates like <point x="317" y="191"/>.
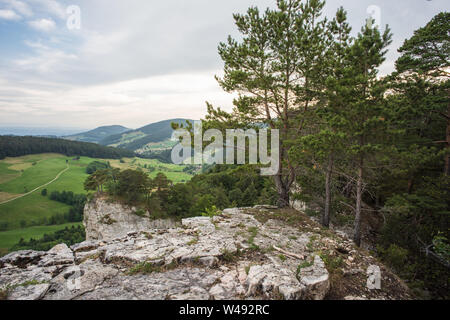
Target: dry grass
<point x="122" y="166"/>
<point x="6" y="196"/>
<point x="8" y="177"/>
<point x="32" y="158"/>
<point x="21" y="166"/>
<point x="290" y="217"/>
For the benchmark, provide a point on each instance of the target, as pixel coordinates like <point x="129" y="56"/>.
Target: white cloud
<point x="19" y="6"/>
<point x="52" y="7"/>
<point x="139" y="61"/>
<point x="43" y="24"/>
<point x="35" y="44"/>
<point x="132" y="103"/>
<point x="46" y="60"/>
<point x="9" y="15"/>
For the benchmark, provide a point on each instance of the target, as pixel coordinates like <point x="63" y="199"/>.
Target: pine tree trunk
<point x="410" y="185"/>
<point x="359" y="186"/>
<point x="326" y="213"/>
<point x="283" y="187"/>
<point x="283" y="200"/>
<point x="447" y="159"/>
<point x="283" y="192"/>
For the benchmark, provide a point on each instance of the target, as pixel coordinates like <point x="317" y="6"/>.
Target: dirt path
<point x="44" y="185"/>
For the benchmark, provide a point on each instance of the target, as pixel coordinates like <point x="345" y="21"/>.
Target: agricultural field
<point x="10" y="238"/>
<point x="22" y="207"/>
<point x="157" y="146"/>
<point x="129" y="137"/>
<point x="153" y="167"/>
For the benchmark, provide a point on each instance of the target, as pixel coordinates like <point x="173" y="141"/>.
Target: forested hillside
<point x="97" y="134"/>
<point x="18" y="146"/>
<point x="136" y="139"/>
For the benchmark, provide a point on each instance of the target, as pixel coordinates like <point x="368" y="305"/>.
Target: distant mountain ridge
<point x="46" y="131"/>
<point x="98" y="134"/>
<point x="151" y="141"/>
<point x="150" y="134"/>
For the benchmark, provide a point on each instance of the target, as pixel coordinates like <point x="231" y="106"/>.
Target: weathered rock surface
<point x="105" y="220"/>
<point x="231" y="256"/>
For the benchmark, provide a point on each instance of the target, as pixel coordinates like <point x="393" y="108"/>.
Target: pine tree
<point x="360" y="94"/>
<point x="274" y="69"/>
<point x="425" y="62"/>
<point x="326" y="142"/>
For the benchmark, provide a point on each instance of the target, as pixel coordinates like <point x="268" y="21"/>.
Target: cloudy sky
<point x="133" y="62"/>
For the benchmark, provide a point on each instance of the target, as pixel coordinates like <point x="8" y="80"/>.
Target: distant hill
<point x="153" y="136"/>
<point x="97" y="134"/>
<point x="39" y="131"/>
<point x="152" y="141"/>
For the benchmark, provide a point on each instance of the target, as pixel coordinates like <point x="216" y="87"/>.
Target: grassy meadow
<point x="21" y="175"/>
<point x="11" y="237"/>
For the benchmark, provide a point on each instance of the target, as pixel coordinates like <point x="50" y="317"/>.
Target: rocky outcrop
<point x="240" y="254"/>
<point x="105" y="220"/>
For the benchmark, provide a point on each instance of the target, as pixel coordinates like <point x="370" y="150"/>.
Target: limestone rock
<point x="21" y="258"/>
<point x="106" y="221"/>
<point x="85" y="246"/>
<point x="31" y="292"/>
<point x="231" y="256"/>
<point x="58" y="255"/>
<point x="314" y="280"/>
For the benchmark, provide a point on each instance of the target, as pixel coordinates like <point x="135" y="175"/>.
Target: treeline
<point x="164" y="156"/>
<point x="74" y="214"/>
<point x="221" y="187"/>
<point x="69" y="236"/>
<point x="12" y="146"/>
<point x="97" y="165"/>
<point x="352" y="143"/>
<point x="56" y="219"/>
<point x="76" y="201"/>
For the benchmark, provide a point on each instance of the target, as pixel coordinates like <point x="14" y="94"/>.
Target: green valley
<point x="10" y="238"/>
<point x="24" y="214"/>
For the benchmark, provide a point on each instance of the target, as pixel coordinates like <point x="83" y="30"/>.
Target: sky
<point x="86" y="63"/>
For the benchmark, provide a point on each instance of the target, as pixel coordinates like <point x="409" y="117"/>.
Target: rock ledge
<point x="246" y="253"/>
<point x="230" y="256"/>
